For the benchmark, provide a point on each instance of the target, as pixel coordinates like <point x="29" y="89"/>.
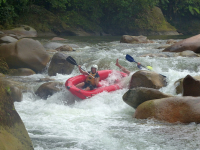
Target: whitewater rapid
<point x="105" y="122"/>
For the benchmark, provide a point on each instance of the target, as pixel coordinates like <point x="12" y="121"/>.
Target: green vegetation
<point x="92" y="15"/>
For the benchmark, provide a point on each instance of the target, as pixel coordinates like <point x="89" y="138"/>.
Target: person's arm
<point x="122" y="68"/>
<point x="81" y="71"/>
<point x="97" y="81"/>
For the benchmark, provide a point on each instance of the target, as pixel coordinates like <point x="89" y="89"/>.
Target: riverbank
<point x="71" y="23"/>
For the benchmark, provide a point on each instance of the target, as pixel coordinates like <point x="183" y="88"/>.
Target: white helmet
<point x="95" y="66"/>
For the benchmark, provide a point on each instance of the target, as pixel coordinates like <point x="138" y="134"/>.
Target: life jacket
<point x="90" y="79"/>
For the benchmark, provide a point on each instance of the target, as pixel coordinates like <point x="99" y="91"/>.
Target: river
<point x="105" y="122"/>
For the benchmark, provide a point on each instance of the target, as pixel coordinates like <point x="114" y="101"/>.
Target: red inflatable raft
<point x="72" y="82"/>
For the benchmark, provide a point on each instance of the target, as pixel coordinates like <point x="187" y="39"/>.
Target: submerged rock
<point x="59" y="64"/>
<point x="48" y="89"/>
<point x="13" y="134"/>
<point x="172" y="109"/>
<point x="135" y="97"/>
<point x="25" y="53"/>
<point x="191" y="44"/>
<point x="148" y="79"/>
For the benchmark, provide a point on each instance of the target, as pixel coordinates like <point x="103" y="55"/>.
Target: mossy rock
<point x="13" y="132"/>
<point x="152" y="21"/>
<point x="3" y="66"/>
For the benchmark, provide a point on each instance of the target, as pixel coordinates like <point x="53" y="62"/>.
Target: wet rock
<point x="64" y="48"/>
<point x="187" y="53"/>
<point x="154" y="55"/>
<point x="7" y="39"/>
<point x="191" y="44"/>
<point x="134" y="39"/>
<point x="59" y="64"/>
<point x="13" y="135"/>
<point x="147" y="79"/>
<point x="25" y="53"/>
<point x="179" y="84"/>
<point x="58" y="39"/>
<point x="163" y="47"/>
<point x="21" y="72"/>
<point x="48" y="89"/>
<point x="171" y="41"/>
<point x="46" y="80"/>
<point x="172" y="109"/>
<point x="135" y="97"/>
<point x="22" y="31"/>
<point x="13" y="88"/>
<point x="191" y="86"/>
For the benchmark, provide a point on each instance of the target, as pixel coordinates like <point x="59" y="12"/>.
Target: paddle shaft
<point x="129" y="58"/>
<point x="73" y="62"/>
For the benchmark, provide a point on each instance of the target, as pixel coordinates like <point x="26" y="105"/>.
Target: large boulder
<point x="25" y="53"/>
<point x="191" y="86"/>
<point x="172" y="109"/>
<point x="59" y="64"/>
<point x="13" y="88"/>
<point x="191" y="44"/>
<point x="21" y="72"/>
<point x="48" y="89"/>
<point x="179" y="84"/>
<point x="134" y="39"/>
<point x="22" y="31"/>
<point x="147" y="79"/>
<point x="135" y="97"/>
<point x="13" y="134"/>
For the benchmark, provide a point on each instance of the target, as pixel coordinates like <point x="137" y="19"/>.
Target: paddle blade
<point x="129" y="58"/>
<point x="71" y="60"/>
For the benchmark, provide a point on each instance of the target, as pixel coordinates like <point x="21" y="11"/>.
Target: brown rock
<point x="135" y="97"/>
<point x="147" y="79"/>
<point x="179" y="84"/>
<point x="21" y="72"/>
<point x="172" y="109"/>
<point x="48" y="89"/>
<point x="64" y="48"/>
<point x="163" y="47"/>
<point x="191" y="44"/>
<point x="191" y="86"/>
<point x="13" y="134"/>
<point x="59" y="64"/>
<point x="134" y="39"/>
<point x="25" y="53"/>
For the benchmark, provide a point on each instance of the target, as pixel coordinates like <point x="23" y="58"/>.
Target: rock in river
<point x="136" y="96"/>
<point x="25" y="53"/>
<point x="13" y="134"/>
<point x="173" y="109"/>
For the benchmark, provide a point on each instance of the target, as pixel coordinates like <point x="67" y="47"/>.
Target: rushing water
<point x="105" y="122"/>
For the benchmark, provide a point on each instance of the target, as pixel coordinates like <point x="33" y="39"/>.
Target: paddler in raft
<point x="92" y="79"/>
<point x="126" y="70"/>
